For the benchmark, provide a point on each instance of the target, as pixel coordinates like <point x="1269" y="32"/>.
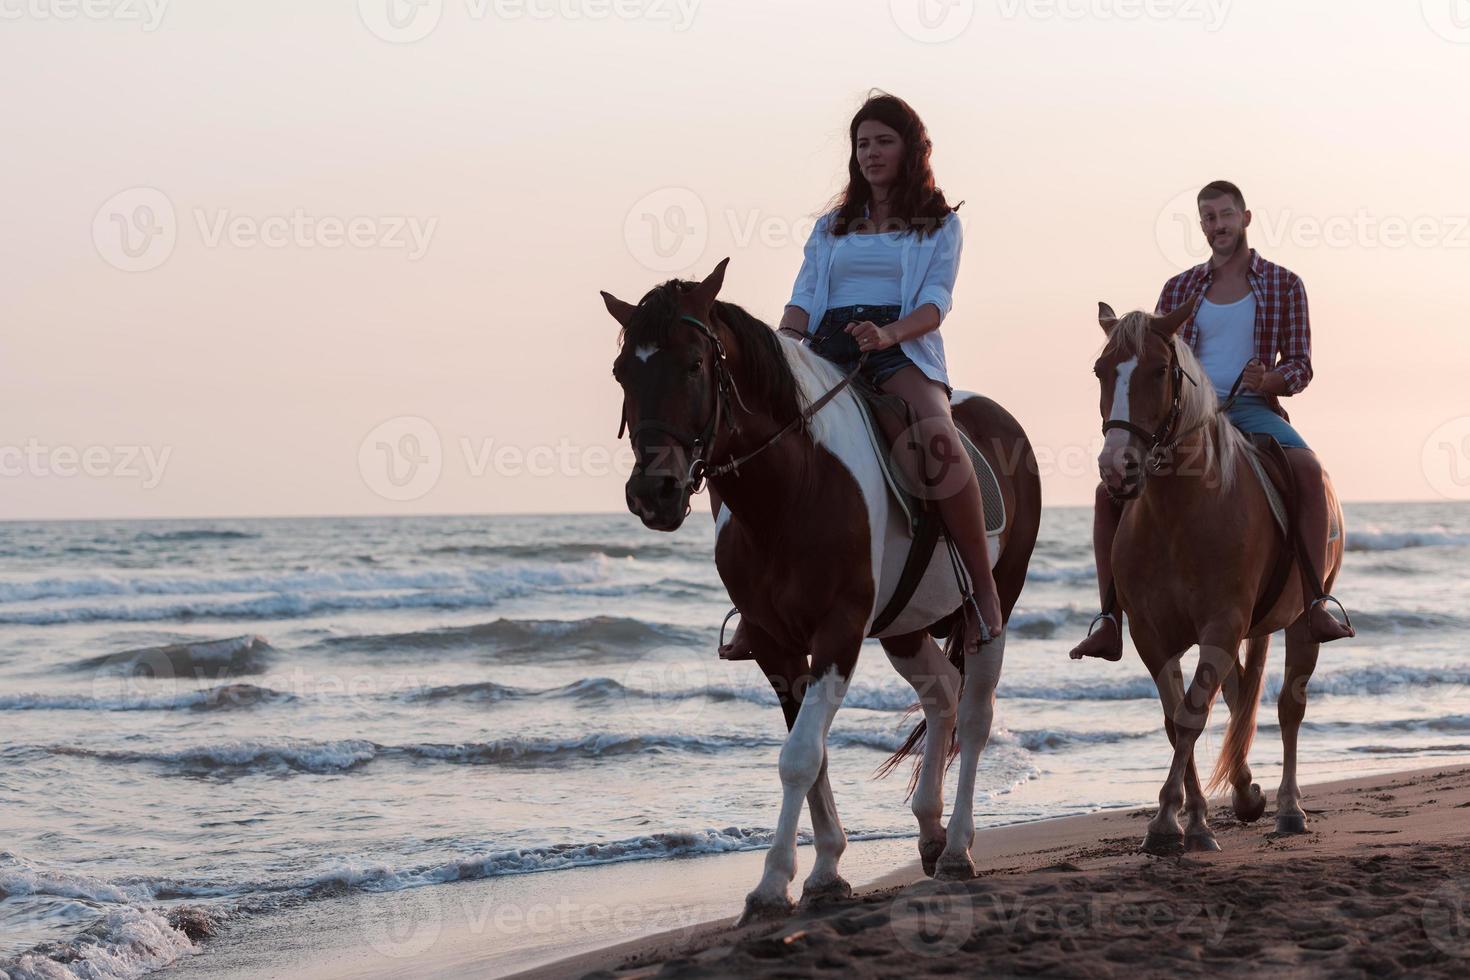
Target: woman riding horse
<point x="877" y="278"/>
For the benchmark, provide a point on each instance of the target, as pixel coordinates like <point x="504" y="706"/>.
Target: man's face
<point x="1224" y="224"/>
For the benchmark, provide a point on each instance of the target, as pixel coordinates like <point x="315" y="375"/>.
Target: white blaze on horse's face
<point x="645" y="352"/>
<point x="1110" y="463"/>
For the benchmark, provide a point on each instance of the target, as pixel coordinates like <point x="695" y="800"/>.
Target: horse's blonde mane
<point x="1198" y="406"/>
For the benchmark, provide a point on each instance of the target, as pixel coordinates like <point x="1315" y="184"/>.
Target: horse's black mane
<point x="770" y="379"/>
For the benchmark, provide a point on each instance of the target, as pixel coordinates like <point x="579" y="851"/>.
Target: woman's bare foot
<point x="1105" y="643"/>
<point x="739" y="646"/>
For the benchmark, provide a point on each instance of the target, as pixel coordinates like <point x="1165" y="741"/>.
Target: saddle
<point x="925" y="524"/>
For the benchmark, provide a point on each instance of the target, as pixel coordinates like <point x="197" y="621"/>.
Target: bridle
<point x="1163" y="439"/>
<point x="698" y="445"/>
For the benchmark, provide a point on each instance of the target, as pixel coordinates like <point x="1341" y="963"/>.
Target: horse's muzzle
<point x="660" y="502"/>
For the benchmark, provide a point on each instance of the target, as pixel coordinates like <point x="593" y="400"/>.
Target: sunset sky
<point x="248" y="246"/>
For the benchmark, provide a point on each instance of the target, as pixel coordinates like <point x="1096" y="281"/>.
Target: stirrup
<point x="985" y="636"/>
<point x="1099" y="618"/>
<point x="1347" y="620"/>
<point x="723" y="624"/>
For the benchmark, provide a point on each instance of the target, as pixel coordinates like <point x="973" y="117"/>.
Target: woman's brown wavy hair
<point x="917" y="205"/>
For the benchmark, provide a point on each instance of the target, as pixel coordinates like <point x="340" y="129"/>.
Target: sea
<point x="212" y="720"/>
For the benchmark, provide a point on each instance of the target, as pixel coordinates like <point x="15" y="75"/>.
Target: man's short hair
<point x="1220" y="188"/>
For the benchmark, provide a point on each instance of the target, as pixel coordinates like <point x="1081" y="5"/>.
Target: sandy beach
<point x="1380" y="885"/>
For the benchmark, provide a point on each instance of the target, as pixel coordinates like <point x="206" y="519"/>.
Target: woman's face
<point x="879" y="152"/>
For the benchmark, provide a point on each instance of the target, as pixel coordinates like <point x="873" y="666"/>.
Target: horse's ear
<point x="703" y="296"/>
<point x="1169" y="324"/>
<point x="1106" y="317"/>
<point x="622" y="312"/>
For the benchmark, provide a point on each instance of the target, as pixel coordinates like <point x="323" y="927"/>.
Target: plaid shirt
<point x="1282" y="326"/>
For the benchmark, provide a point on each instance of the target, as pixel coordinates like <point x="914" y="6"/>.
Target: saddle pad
<point x="1278" y="509"/>
<point x="995" y="508"/>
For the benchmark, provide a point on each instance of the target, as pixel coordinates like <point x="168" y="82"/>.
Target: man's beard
<point x="1240" y="246"/>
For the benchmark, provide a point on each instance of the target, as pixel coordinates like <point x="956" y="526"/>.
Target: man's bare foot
<point x="739" y="646"/>
<point x="1323" y="626"/>
<point x="1105" y="643"/>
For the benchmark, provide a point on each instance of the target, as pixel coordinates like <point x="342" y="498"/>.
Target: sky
<point x="303" y="258"/>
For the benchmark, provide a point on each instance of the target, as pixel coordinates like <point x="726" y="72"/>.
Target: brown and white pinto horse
<point x="810" y="546"/>
<point x="1193" y="555"/>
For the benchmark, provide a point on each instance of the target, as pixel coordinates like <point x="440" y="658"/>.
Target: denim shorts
<point x="831" y="340"/>
<point x="1250" y="413"/>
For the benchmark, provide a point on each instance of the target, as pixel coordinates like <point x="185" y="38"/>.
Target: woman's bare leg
<point x="950" y="478"/>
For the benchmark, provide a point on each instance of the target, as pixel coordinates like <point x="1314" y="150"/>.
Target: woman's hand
<point x="870" y="336"/>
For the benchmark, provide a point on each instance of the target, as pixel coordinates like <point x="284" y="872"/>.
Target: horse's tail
<point x="1242" y="728"/>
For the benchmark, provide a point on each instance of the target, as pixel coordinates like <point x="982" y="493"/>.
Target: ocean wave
<point x="482" y="691"/>
<point x="548" y="638"/>
<point x="1056" y="740"/>
<point x="244" y="755"/>
<point x="197" y="534"/>
<point x="578" y="551"/>
<point x="377" y="876"/>
<point x="1372" y="681"/>
<point x="280" y="594"/>
<point x="341" y="755"/>
<point x="232" y="657"/>
<point x="223" y="698"/>
<point x="1411" y="750"/>
<point x="125" y="943"/>
<point x="1399" y="540"/>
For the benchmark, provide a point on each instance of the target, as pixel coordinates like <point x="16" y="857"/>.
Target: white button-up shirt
<point x="930" y="265"/>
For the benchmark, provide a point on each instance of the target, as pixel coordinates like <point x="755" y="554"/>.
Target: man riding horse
<point x="1247" y="313"/>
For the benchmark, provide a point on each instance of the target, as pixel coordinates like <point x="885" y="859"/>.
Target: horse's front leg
<point x="788" y="674"/>
<point x="977" y="711"/>
<point x="1189" y="712"/>
<point x="802" y="765"/>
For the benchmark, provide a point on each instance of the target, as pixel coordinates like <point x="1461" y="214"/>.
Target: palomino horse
<point x="1193" y="556"/>
<point x="810" y="546"/>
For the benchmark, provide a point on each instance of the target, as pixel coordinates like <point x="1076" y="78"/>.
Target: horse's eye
<point x="698" y="363"/>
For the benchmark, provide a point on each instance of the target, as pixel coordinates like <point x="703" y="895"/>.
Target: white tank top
<point x="1227" y="340"/>
<point x="867" y="269"/>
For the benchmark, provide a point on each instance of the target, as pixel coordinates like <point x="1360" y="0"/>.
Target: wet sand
<point x="1379" y="885"/>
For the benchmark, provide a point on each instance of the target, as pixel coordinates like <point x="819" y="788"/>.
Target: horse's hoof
<point x="1201" y="840"/>
<point x="835" y="890"/>
<point x="1291" y="823"/>
<point x="952" y="868"/>
<point x="1253" y="807"/>
<point x="929" y="853"/>
<point x="1162" y="844"/>
<point x="760" y="909"/>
